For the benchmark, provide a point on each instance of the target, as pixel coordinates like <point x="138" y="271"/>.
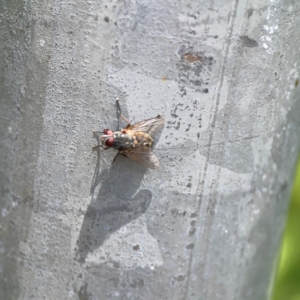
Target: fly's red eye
<point x="108" y="132"/>
<point x="109" y="141"/>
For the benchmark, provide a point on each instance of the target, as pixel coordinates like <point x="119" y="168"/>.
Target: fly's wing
<point x="149" y="126"/>
<point x="143" y="156"/>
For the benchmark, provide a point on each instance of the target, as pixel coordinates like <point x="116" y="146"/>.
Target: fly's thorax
<point x="122" y="140"/>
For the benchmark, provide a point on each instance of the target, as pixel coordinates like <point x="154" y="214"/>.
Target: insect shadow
<point x="116" y="204"/>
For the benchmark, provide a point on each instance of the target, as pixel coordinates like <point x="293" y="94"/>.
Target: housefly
<point x="134" y="141"/>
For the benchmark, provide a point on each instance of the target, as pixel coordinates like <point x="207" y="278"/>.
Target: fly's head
<point x="107" y="138"/>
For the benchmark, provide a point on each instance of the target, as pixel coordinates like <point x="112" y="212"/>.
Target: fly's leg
<point x="116" y="156"/>
<point x="128" y="124"/>
<point x="120" y="152"/>
<point x="120" y="114"/>
<point x="98" y="146"/>
<point x="96" y="135"/>
<point x="97" y="132"/>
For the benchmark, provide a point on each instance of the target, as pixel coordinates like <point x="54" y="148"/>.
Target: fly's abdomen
<point x="142" y="139"/>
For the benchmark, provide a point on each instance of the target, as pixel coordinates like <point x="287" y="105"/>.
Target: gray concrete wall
<point x="208" y="223"/>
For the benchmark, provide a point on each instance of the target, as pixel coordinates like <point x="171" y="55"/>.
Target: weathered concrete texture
<point x="207" y="224"/>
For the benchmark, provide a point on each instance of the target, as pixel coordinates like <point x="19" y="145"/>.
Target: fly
<point x="134" y="141"/>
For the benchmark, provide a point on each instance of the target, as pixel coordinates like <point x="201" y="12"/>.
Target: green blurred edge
<point x="287" y="279"/>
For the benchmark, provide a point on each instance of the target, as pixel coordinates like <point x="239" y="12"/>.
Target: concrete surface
<point x="208" y="223"/>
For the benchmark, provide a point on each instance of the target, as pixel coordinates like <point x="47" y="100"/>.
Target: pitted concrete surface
<point x="205" y="225"/>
